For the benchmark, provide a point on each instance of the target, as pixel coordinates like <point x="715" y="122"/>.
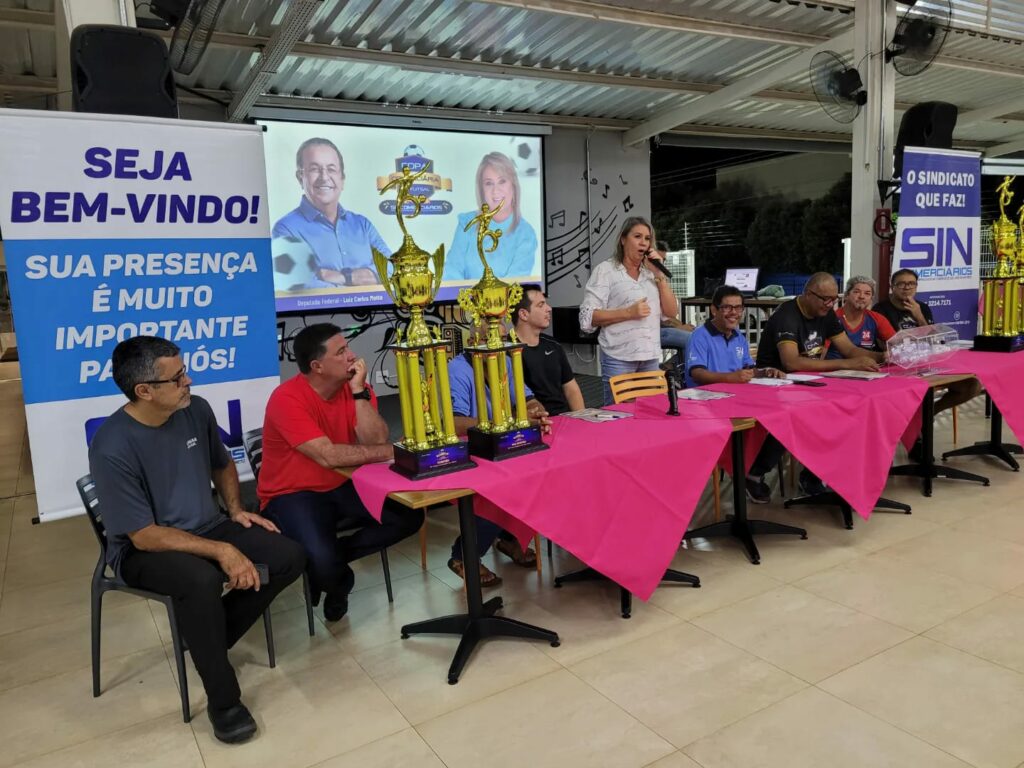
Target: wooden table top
<point x="940" y="380"/>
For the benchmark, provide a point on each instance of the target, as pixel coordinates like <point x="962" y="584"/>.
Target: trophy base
<point x="497" y="446"/>
<point x="998" y="343"/>
<point x="419" y="465"/>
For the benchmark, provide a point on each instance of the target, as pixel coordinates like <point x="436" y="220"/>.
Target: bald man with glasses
<point x="794" y="339"/>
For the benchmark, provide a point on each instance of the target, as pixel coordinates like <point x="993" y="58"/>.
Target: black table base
<point x="833" y="499"/>
<point x="994" y="446"/>
<point x="479" y="623"/>
<point x="625" y="596"/>
<point x="738" y="525"/>
<point x="927" y="469"/>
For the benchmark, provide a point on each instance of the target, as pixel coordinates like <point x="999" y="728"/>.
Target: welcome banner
<point x="938" y="233"/>
<point x="119" y="226"/>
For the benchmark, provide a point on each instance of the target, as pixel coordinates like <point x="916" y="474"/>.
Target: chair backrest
<point x="87" y="490"/>
<point x="629" y="386"/>
<point x="253" y="442"/>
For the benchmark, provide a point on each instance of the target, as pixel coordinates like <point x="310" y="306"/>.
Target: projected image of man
<point x="338" y="239"/>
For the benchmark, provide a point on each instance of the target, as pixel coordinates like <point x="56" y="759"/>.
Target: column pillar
<point x="873" y="130"/>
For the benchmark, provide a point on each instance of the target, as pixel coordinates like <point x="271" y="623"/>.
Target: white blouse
<point x="611" y="287"/>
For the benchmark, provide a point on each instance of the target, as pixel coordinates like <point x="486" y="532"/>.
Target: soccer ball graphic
<point x="414" y="149"/>
<point x="295" y="265"/>
<point x="525" y="153"/>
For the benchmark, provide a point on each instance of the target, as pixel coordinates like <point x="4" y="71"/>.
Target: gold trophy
<point x="504" y="430"/>
<point x="1002" y="323"/>
<point x="429" y="446"/>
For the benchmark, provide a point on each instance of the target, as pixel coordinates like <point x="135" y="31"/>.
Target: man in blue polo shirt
<point x="464" y="406"/>
<point x="339" y="239"/>
<point x="718" y="352"/>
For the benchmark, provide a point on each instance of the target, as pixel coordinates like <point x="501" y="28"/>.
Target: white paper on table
<point x="598" y="415"/>
<point x="802" y="376"/>
<point x="774" y="382"/>
<point x="702" y="394"/>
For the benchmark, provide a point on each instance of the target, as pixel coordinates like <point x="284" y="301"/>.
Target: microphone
<point x="659" y="265"/>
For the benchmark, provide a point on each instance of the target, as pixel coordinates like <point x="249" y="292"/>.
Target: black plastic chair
<point x="252" y="441"/>
<point x="102" y="583"/>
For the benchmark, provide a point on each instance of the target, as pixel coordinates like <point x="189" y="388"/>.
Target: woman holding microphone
<point x="625" y="298"/>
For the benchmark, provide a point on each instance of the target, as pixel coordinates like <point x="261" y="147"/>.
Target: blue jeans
<point x="612" y="367"/>
<point x="312" y="519"/>
<point x="677" y="339"/>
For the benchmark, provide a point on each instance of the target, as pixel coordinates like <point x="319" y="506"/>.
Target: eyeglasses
<point x="828" y="301"/>
<point x="905" y="284"/>
<point x="176" y="379"/>
<point x="734" y="309"/>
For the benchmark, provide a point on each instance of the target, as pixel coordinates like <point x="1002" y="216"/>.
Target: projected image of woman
<point x="496" y="181"/>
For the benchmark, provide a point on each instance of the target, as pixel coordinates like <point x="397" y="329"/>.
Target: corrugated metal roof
<point x="620" y="38"/>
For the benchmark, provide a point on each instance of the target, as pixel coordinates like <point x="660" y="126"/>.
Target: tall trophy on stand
<point x="503" y="430"/>
<point x="1002" y="326"/>
<point x="429" y="445"/>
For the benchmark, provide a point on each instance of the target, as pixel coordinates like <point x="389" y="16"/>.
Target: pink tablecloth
<point x="618" y="495"/>
<point x="1002" y="376"/>
<point x="845" y="432"/>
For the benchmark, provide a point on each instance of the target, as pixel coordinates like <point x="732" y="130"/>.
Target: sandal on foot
<point x="524" y="558"/>
<point x="487" y="577"/>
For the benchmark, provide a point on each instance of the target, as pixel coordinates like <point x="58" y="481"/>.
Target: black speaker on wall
<point x="121" y="71"/>
<point x="929" y="124"/>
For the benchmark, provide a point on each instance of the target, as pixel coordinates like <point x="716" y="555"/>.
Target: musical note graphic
<point x="556" y="217"/>
<point x="606" y="190"/>
<point x="624" y="182"/>
<point x="577" y="279"/>
<point x="627" y="204"/>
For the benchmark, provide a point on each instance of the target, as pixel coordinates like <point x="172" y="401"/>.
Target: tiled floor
<point x="896" y="644"/>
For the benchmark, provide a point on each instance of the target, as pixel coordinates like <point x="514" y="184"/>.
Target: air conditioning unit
<point x="684" y="279"/>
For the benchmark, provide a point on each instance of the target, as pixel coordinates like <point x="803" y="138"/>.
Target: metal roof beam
<point x="27" y="84"/>
<point x="1010" y="147"/>
<point x="643" y="18"/>
<point x="740" y="89"/>
<point x="21" y="18"/>
<point x="294" y="24"/>
<point x="981" y="115"/>
<point x="434" y="64"/>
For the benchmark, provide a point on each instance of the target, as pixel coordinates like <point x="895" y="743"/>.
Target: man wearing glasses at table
<point x="793" y="340"/>
<point x="718" y="352"/>
<point x="904" y="311"/>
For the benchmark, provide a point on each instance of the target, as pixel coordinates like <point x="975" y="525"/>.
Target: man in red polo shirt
<point x="323" y="418"/>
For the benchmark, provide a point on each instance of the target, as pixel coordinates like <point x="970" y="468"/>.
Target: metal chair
<point x="102" y="583"/>
<point x="253" y="443"/>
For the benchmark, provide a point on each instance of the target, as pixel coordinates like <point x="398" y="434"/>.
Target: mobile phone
<point x="264" y="572"/>
<point x="810" y="383"/>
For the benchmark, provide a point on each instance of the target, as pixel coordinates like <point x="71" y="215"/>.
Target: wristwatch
<point x="364" y="395"/>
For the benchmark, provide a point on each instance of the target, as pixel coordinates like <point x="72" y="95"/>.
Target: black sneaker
<point x="232" y="725"/>
<point x="810" y="485"/>
<point x="758" y="491"/>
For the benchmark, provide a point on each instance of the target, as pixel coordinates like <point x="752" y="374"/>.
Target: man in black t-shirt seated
<point x="904" y="311"/>
<point x="901" y="309"/>
<point x="793" y="340"/>
<point x="545" y="365"/>
<point x="153" y="462"/>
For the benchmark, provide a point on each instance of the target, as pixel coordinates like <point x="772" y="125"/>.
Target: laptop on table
<point x="743" y="278"/>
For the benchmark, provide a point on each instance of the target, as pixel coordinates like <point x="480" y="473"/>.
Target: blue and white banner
<point x="938" y="233"/>
<point x="120" y="226"/>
